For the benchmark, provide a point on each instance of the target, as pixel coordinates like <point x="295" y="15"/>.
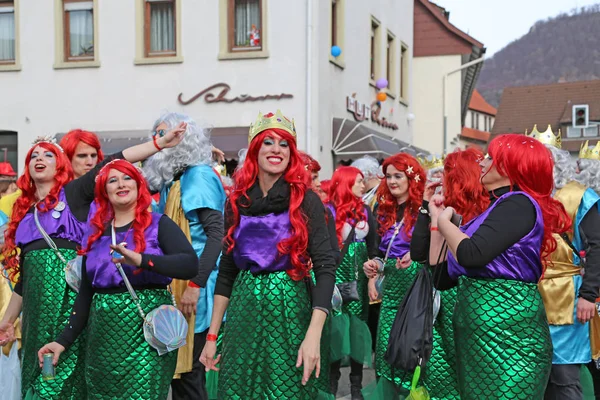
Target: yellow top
<point x="7" y="202"/>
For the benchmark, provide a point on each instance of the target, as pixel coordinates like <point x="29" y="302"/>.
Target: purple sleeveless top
<point x="103" y="273"/>
<point x="520" y="262"/>
<point x="400" y="245"/>
<point x="58" y="224"/>
<point x="256" y="239"/>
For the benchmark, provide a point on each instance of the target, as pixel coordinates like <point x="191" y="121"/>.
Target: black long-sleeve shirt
<point x="590" y="226"/>
<point x="212" y="223"/>
<point x="372" y="240"/>
<point x="335" y="247"/>
<point x="179" y="261"/>
<point x="80" y="195"/>
<point x="319" y="246"/>
<point x="421" y="237"/>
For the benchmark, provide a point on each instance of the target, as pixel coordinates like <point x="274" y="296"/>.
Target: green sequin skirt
<point x="350" y="334"/>
<point x="440" y="377"/>
<point x="47" y="305"/>
<point x="120" y="363"/>
<point x="504" y="350"/>
<point x="395" y="285"/>
<point x="267" y="319"/>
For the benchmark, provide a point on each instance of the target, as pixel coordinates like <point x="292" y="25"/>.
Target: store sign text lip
<point x="363" y="112"/>
<point x="217" y="93"/>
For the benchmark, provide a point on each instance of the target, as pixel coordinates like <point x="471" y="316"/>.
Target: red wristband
<point x="155" y="141"/>
<point x="211" y="337"/>
<point x="192" y="284"/>
<point x="434" y="229"/>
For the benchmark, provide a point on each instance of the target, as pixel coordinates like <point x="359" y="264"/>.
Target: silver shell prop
<point x="165" y="328"/>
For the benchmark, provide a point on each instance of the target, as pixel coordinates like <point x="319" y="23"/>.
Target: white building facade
<point x="113" y="67"/>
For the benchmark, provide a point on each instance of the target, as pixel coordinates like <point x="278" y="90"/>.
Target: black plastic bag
<point x="411" y="337"/>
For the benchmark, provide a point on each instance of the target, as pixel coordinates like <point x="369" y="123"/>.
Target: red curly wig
<point x="70" y="141"/>
<point x="462" y="183"/>
<point x="295" y="175"/>
<point x="28" y="198"/>
<point x="325" y="188"/>
<point x="348" y="207"/>
<point x="388" y="205"/>
<point x="105" y="212"/>
<point x="528" y="164"/>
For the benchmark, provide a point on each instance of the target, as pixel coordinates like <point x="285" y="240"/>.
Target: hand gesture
<point x="404" y="262"/>
<point x="373" y="294"/>
<point x="130" y="257"/>
<point x="207" y="358"/>
<point x="189" y="301"/>
<point x="7" y="332"/>
<point x="447" y="214"/>
<point x="173" y="137"/>
<point x="430" y="190"/>
<point x="309" y="354"/>
<point x="218" y="154"/>
<point x="585" y="310"/>
<point x="370" y="268"/>
<point x="53" y="347"/>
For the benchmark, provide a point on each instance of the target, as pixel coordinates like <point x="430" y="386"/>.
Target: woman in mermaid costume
<point x="463" y="191"/>
<point x="357" y="236"/>
<point x="273" y="225"/>
<point x="503" y="344"/>
<point x="153" y="250"/>
<point x="42" y="293"/>
<point x="399" y="198"/>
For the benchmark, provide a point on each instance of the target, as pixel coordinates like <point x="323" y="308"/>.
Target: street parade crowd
<point x="136" y="274"/>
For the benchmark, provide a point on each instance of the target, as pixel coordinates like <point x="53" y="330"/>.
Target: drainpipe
<point x="309" y="27"/>
<point x="467" y="65"/>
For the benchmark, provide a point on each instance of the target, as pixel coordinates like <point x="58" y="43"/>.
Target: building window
<point x="7" y="33"/>
<point x="374" y="56"/>
<point x="485" y="123"/>
<point x="472" y="119"/>
<point x="337" y="31"/>
<point x="245" y="25"/>
<point x="404" y="72"/>
<point x="391" y="66"/>
<point x="334" y="15"/>
<point x="160" y="28"/>
<point x="9" y="148"/>
<point x="79" y="30"/>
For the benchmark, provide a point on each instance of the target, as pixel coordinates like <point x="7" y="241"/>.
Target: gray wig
<point x="194" y="149"/>
<point x="369" y="166"/>
<point x="564" y="167"/>
<point x="589" y="173"/>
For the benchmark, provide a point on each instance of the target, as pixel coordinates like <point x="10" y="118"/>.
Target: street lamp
<point x="467" y="65"/>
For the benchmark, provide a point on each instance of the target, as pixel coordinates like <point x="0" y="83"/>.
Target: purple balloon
<point x="381" y="83"/>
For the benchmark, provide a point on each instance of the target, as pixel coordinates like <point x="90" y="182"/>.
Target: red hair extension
<point x="528" y="164"/>
<point x="105" y="212"/>
<point x="326" y="187"/>
<point x="70" y="141"/>
<point x="348" y="207"/>
<point x="295" y="176"/>
<point x="462" y="183"/>
<point x="63" y="174"/>
<point x="388" y="205"/>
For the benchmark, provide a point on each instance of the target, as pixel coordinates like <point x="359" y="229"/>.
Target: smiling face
<point x="84" y="159"/>
<point x="42" y="165"/>
<point x="121" y="189"/>
<point x="274" y="154"/>
<point x="358" y="189"/>
<point x="397" y="182"/>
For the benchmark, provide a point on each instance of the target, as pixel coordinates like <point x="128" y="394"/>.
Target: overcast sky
<point x="497" y="23"/>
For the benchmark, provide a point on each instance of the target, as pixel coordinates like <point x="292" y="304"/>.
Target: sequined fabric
<point x="267" y="319"/>
<point x="47" y="305"/>
<point x="504" y="347"/>
<point x="396" y="284"/>
<point x="440" y="374"/>
<point x="120" y="363"/>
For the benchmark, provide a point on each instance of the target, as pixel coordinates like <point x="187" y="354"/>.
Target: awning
<point x="230" y="140"/>
<point x="353" y="139"/>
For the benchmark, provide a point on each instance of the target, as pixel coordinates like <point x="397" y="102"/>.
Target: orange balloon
<point x="381" y="96"/>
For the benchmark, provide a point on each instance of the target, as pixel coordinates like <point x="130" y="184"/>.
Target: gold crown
<point x="277" y="121"/>
<point x="590" y="153"/>
<point x="433" y="163"/>
<point x="548" y="137"/>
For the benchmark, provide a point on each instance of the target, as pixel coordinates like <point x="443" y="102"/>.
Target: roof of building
<point x="522" y="107"/>
<point x="435" y="35"/>
<point x="479" y="104"/>
<point x="475" y="134"/>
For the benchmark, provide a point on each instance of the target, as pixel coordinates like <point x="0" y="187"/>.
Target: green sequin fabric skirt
<point x="120" y="363"/>
<point x="47" y="304"/>
<point x="267" y="319"/>
<point x="504" y="350"/>
<point x="350" y="334"/>
<point x="395" y="285"/>
<point x="440" y="375"/>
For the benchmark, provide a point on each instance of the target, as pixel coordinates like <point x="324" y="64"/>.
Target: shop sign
<point x="363" y="112"/>
<point x="218" y="92"/>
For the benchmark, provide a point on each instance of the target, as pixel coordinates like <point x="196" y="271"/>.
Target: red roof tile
<point x="475" y="134"/>
<point x="478" y="103"/>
